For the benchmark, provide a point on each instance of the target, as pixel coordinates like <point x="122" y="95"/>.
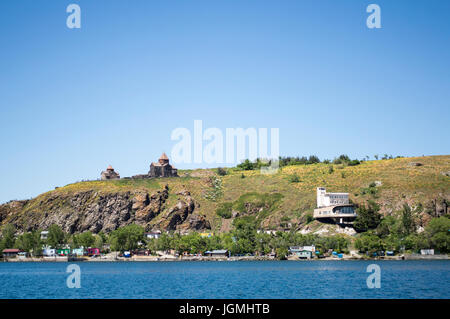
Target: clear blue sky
<point x="74" y="101"/>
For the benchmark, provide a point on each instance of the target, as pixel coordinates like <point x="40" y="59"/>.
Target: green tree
<point x="164" y="243"/>
<point x="438" y="232"/>
<point x="246" y="165"/>
<point x="262" y="243"/>
<point x="85" y="239"/>
<point x="408" y="224"/>
<point x="56" y="236"/>
<point x="127" y="237"/>
<point x="244" y="233"/>
<point x="368" y="217"/>
<point x="8" y="236"/>
<point x="29" y="242"/>
<point x="99" y="241"/>
<point x="392" y="243"/>
<point x="368" y="243"/>
<point x="415" y="242"/>
<point x="387" y="226"/>
<point x="313" y="159"/>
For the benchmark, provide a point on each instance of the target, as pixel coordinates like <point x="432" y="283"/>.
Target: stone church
<point x="162" y="168"/>
<point x="110" y="174"/>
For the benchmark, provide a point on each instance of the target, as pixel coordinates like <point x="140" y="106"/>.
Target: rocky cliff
<point x="104" y="212"/>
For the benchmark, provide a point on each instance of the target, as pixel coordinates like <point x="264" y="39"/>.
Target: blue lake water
<point x="254" y="279"/>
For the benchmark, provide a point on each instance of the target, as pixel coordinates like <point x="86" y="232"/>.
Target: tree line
<point x="399" y="232"/>
<point x="243" y="239"/>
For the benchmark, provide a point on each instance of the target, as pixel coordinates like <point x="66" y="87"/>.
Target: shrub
<point x="341" y="159"/>
<point x="294" y="178"/>
<point x="371" y="190"/>
<point x="354" y="162"/>
<point x="217" y="189"/>
<point x="266" y="201"/>
<point x="282" y="253"/>
<point x="224" y="210"/>
<point x="246" y="165"/>
<point x="221" y="171"/>
<point x="313" y="159"/>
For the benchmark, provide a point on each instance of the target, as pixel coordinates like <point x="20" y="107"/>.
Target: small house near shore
<point x="93" y="251"/>
<point x="217" y="253"/>
<point x="48" y="251"/>
<point x="63" y="252"/>
<point x="302" y="252"/>
<point x="11" y="252"/>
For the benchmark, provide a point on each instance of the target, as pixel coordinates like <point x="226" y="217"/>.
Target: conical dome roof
<point x="164" y="156"/>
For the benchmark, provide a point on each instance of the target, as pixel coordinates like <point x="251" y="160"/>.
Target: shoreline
<point x="223" y="259"/>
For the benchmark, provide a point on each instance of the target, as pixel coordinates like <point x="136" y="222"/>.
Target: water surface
<point x="243" y="279"/>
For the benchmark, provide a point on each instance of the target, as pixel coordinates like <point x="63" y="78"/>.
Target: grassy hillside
<point x="280" y="199"/>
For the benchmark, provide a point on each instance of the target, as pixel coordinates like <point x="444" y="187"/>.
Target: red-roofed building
<point x="11" y="252"/>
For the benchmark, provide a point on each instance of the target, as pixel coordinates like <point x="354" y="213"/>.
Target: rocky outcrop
<point x="11" y="208"/>
<point x="196" y="222"/>
<point x="148" y="206"/>
<point x="181" y="217"/>
<point x="103" y="212"/>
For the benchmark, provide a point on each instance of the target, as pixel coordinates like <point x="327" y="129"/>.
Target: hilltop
<point x="203" y="199"/>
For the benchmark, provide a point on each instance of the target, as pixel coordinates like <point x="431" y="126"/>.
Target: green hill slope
<point x="193" y="200"/>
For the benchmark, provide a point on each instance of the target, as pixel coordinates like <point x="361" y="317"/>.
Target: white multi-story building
<point x="329" y="199"/>
<point x="334" y="207"/>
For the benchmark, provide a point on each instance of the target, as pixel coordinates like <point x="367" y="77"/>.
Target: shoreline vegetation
<point x="226" y="259"/>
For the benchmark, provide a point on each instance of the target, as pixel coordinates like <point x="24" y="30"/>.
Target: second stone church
<point x="162" y="168"/>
